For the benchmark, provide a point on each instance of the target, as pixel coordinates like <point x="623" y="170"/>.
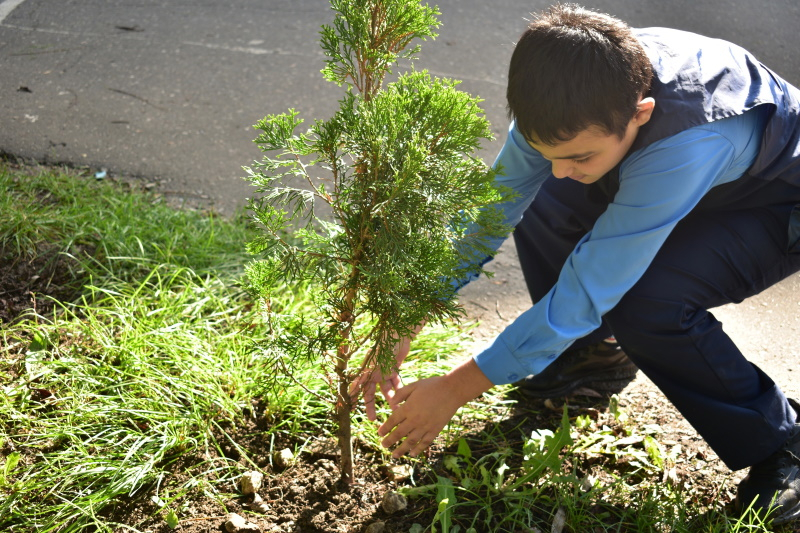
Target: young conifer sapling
<point x="379" y="211"/>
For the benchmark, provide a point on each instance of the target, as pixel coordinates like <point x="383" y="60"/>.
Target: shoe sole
<point x="611" y="380"/>
<point x="789" y="516"/>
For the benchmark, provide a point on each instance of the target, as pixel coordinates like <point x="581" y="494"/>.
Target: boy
<point x="658" y="173"/>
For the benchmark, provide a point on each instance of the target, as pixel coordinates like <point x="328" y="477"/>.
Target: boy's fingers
<point x="393" y="438"/>
<point x="369" y="403"/>
<point x="413" y="446"/>
<point x="387" y="388"/>
<point x="401" y="394"/>
<point x="389" y="425"/>
<point x="390" y="385"/>
<point x="355" y="389"/>
<point x="422" y="445"/>
<point x="358" y="385"/>
<point x="410" y="438"/>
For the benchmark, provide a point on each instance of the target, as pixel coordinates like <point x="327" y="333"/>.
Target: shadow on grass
<point x="37" y="282"/>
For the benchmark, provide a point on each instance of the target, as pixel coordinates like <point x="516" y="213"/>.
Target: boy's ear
<point x="644" y="110"/>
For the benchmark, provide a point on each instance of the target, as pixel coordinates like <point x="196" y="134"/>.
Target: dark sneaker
<point x="602" y="366"/>
<point x="774" y="484"/>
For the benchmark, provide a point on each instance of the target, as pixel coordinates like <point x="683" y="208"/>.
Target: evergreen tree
<point x="392" y="209"/>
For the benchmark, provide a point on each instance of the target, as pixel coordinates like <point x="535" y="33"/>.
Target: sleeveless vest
<point x="697" y="80"/>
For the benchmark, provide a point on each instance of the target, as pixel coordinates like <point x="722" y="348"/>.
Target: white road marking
<point x="7" y="7"/>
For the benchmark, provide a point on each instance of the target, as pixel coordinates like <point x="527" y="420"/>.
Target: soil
<point x="306" y="496"/>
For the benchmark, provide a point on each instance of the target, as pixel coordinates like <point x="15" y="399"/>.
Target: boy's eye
<point x="584" y="160"/>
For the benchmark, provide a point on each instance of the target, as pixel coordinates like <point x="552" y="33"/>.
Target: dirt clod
<point x="250" y="482"/>
<point x="393" y="502"/>
<point x="237" y="524"/>
<point x="258" y="505"/>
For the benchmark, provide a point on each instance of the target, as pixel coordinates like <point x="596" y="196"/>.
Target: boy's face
<point x="592" y="153"/>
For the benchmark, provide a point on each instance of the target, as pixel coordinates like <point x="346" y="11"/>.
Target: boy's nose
<point x="561" y="168"/>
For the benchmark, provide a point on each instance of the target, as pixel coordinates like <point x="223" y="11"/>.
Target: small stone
<point x="376" y="527"/>
<point x="393" y="502"/>
<point x="237" y="524"/>
<point x="401" y="472"/>
<point x="258" y="504"/>
<point x="559" y="521"/>
<point x="283" y="459"/>
<point x="251" y="482"/>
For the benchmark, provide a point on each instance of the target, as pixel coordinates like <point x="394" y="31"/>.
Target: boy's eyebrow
<point x="571" y="156"/>
<point x="575" y="156"/>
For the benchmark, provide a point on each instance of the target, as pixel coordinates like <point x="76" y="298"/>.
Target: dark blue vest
<point x="699" y="80"/>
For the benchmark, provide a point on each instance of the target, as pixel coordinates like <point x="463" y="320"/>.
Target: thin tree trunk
<point x="343" y="409"/>
<point x="343" y="404"/>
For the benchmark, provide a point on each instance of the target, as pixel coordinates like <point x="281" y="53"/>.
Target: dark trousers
<point x="734" y="244"/>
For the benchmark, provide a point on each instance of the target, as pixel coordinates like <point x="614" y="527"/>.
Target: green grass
<point x="161" y="357"/>
<point x="102" y="395"/>
<point x="50" y="209"/>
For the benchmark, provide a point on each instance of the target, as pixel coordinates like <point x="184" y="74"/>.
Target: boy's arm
<point x="422" y="409"/>
<point x="521" y="169"/>
<point x="659" y="185"/>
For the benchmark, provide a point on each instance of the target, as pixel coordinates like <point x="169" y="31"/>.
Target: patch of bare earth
<point x="34" y="283"/>
<point x="305" y="496"/>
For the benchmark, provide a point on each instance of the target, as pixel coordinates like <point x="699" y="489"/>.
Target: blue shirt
<point x="659" y="185"/>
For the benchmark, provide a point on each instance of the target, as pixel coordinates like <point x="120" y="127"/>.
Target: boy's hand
<point x="419" y="413"/>
<point x="372" y="378"/>
<point x="422" y="409"/>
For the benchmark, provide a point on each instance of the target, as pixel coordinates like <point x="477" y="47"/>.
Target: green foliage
<point x="10" y="464"/>
<point x="369" y="36"/>
<point x="135" y="379"/>
<point x="636" y="446"/>
<point x="407" y="211"/>
<point x="172" y="519"/>
<point x="600" y="473"/>
<point x="50" y="212"/>
<point x="542" y="451"/>
<point x="446" y="496"/>
<point x="493" y="495"/>
<point x="102" y="396"/>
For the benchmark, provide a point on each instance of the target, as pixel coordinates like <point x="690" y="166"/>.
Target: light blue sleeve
<point x="659" y="185"/>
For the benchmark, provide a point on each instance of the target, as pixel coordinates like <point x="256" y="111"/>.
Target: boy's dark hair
<point x="572" y="69"/>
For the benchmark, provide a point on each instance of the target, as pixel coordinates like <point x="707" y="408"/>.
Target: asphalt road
<point x="169" y="90"/>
